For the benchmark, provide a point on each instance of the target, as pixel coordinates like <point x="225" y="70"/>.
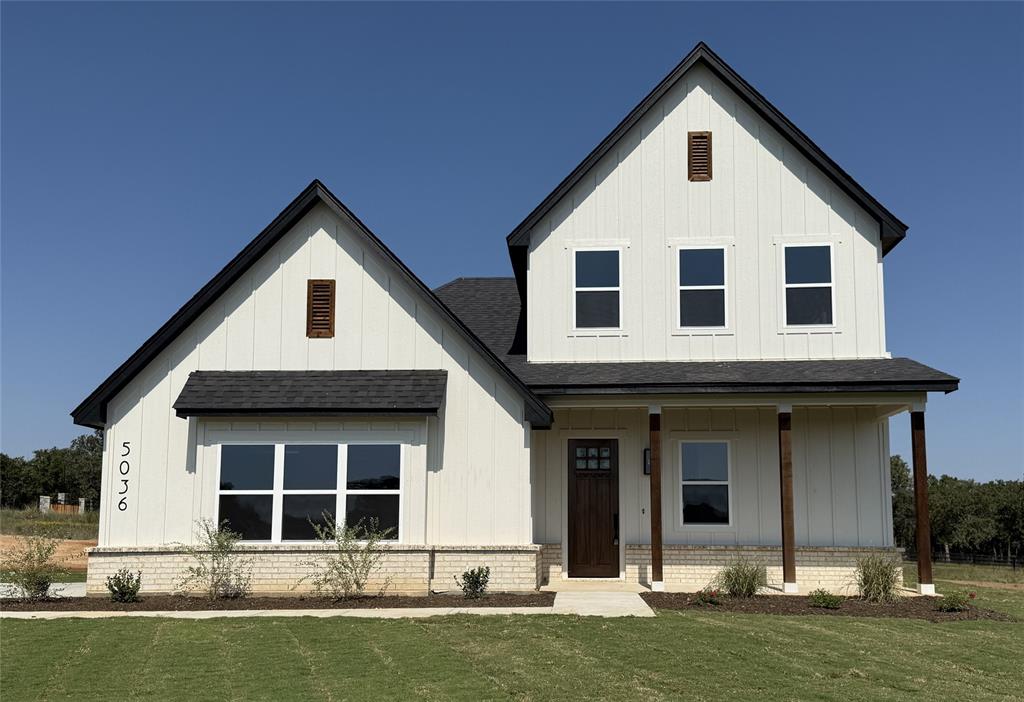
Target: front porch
<point x="802" y="486"/>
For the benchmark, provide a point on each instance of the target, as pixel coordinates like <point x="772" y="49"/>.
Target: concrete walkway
<point x="585" y="604"/>
<point x="56" y="590"/>
<point x="601" y="604"/>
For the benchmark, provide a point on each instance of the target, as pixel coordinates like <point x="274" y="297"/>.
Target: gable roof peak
<point x="892" y="230"/>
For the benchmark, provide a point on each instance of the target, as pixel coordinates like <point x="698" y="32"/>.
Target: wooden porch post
<point x="657" y="575"/>
<point x="786" y="494"/>
<point x="925" y="585"/>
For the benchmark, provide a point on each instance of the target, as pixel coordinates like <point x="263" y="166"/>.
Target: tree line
<point x="74" y="470"/>
<point x="966" y="516"/>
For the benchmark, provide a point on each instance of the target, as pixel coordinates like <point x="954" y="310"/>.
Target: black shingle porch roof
<point x="312" y="393"/>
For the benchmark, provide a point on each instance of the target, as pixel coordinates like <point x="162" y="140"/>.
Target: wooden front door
<point x="593" y="508"/>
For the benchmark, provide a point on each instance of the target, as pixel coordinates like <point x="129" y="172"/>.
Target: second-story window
<point x="702" y="287"/>
<point x="597" y="289"/>
<point x="808" y="278"/>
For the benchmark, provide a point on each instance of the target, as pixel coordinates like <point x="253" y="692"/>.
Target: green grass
<point x="968" y="573"/>
<point x="693" y="655"/>
<point x="68" y="526"/>
<point x="71" y="577"/>
<point x="1009" y="600"/>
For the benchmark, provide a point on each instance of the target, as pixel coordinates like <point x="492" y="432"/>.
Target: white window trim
<point x="683" y="524"/>
<point x="576" y="329"/>
<point x="724" y="287"/>
<point x="278" y="492"/>
<point x="831" y="285"/>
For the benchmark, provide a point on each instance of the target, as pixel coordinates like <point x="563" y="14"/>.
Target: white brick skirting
<point x="277" y="569"/>
<point x="691" y="568"/>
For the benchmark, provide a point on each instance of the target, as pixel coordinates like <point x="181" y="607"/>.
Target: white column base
<point x="790" y="588"/>
<point x="657" y="586"/>
<point x="926" y="588"/>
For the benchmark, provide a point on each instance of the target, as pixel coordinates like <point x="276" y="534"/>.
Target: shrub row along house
<point x="689" y="365"/>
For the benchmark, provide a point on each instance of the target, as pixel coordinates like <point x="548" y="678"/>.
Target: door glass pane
<point x="581" y="464"/>
<point x="808" y="264"/>
<point x="702" y="308"/>
<point x="311" y="467"/>
<point x="297" y="511"/>
<point x="362" y="510"/>
<point x="592" y="463"/>
<point x="701" y="267"/>
<point x="706" y="460"/>
<point x="705" y="504"/>
<point x="374" y="466"/>
<point x="606" y="464"/>
<point x="581" y="452"/>
<point x="246" y="467"/>
<point x="605" y="452"/>
<point x="809" y="306"/>
<point x="597" y="310"/>
<point x="248" y="515"/>
<point x="597" y="269"/>
<point x="592" y="451"/>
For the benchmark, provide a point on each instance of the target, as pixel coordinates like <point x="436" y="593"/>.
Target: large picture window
<point x="808" y="285"/>
<point x="278" y="492"/>
<point x="597" y="290"/>
<point x="702" y="287"/>
<point x="704" y="472"/>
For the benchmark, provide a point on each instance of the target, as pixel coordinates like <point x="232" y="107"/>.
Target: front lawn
<point x="689" y="654"/>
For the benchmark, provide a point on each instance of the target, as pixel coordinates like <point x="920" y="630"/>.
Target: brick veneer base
<point x="277" y="569"/>
<point x="691" y="568"/>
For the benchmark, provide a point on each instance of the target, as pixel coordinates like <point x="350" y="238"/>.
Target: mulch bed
<point x="151" y="603"/>
<point x="906" y="608"/>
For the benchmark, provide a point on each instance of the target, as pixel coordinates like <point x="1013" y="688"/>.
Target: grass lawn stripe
<point x="56" y="685"/>
<point x="33" y="658"/>
<point x="266" y="665"/>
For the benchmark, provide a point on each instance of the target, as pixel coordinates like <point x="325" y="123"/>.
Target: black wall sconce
<point x="647" y="461"/>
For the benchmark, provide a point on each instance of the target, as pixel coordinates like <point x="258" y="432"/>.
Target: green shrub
<point x="353" y="553"/>
<point x="219" y="570"/>
<point x="30" y="565"/>
<point x="124" y="586"/>
<point x="707" y="596"/>
<point x="878" y="578"/>
<point x="956" y="601"/>
<point x="741" y="578"/>
<point x="824" y="599"/>
<point x="474" y="582"/>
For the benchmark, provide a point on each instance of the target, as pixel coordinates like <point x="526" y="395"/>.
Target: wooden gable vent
<point x="699" y="155"/>
<point x="320" y="309"/>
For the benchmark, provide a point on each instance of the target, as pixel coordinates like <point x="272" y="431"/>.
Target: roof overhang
<point x="406" y="393"/>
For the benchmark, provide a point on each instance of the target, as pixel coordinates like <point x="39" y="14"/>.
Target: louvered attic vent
<point x="320" y="309"/>
<point x="699" y="158"/>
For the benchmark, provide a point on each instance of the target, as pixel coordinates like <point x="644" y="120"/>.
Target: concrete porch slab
<point x="601" y="604"/>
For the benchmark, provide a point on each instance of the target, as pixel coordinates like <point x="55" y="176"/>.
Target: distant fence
<point x="62" y="505"/>
<point x="1014" y="562"/>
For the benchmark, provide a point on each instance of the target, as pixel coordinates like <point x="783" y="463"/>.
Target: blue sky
<point x="144" y="144"/>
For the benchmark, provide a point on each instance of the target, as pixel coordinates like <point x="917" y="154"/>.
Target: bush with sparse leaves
<point x="124" y="585"/>
<point x="824" y="599"/>
<point x="878" y="578"/>
<point x="220" y="570"/>
<point x="955" y="601"/>
<point x="741" y="578"/>
<point x="474" y="582"/>
<point x="351" y="556"/>
<point x="31" y="564"/>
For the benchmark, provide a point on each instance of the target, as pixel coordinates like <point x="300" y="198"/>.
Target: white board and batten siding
<point x="840" y="474"/>
<point x="763" y="194"/>
<point x="469" y="484"/>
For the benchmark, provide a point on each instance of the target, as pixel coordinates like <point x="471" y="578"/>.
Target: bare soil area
<point x="71" y="552"/>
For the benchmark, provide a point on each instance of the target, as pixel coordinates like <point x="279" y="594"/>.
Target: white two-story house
<point x="689" y="366"/>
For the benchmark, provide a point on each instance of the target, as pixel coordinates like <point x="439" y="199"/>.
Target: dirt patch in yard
<point x="907" y="608"/>
<point x="70" y="552"/>
<point x="180" y="603"/>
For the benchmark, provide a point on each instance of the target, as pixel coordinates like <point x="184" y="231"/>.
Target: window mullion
<point x="342" y="502"/>
<point x="278" y="503"/>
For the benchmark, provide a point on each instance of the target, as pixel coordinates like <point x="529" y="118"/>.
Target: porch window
<point x="704" y="472"/>
<point x="808" y="275"/>
<point x="597" y="289"/>
<point x="278" y="492"/>
<point x="702" y="287"/>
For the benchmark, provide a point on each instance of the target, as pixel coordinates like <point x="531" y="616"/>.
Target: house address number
<point x="124" y="468"/>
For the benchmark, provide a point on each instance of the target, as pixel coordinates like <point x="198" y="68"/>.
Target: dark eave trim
<point x="892" y="230"/>
<point x="185" y="412"/>
<point x="92" y="411"/>
<point x="726" y="388"/>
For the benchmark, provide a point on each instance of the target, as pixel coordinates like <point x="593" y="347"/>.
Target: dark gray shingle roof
<point x="490" y="307"/>
<point x="320" y="393"/>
